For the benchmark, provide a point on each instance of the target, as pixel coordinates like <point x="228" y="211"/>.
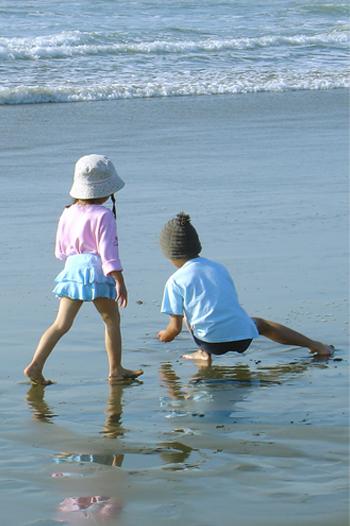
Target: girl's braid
<point x="114" y="209"/>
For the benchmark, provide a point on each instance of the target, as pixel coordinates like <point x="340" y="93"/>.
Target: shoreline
<point x="182" y="96"/>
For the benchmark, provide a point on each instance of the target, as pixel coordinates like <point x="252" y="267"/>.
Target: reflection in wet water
<point x="240" y="374"/>
<point x="95" y="458"/>
<point x="173" y="452"/>
<point x="41" y="410"/>
<point x="113" y="426"/>
<point x="210" y="383"/>
<point x="221" y="422"/>
<point x="92" y="510"/>
<point x="168" y="452"/>
<point x="214" y="391"/>
<point x="114" y="410"/>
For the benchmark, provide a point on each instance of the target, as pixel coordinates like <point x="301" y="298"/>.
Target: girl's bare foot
<point x="124" y="374"/>
<point x="321" y="349"/>
<point x="35" y="375"/>
<point x="198" y="355"/>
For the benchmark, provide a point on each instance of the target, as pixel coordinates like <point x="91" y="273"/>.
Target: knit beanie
<point x="179" y="239"/>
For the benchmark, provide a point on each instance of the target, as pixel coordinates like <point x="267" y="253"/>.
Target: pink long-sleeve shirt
<point x="88" y="229"/>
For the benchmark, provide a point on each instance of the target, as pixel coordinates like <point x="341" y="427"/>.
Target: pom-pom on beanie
<point x="179" y="238"/>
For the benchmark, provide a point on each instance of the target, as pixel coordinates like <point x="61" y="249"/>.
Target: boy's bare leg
<point x="109" y="312"/>
<point x="67" y="311"/>
<point x="281" y="334"/>
<point x="199" y="355"/>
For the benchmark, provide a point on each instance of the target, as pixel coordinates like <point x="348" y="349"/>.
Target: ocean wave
<point x="329" y="9"/>
<point x="185" y="85"/>
<point x="76" y="43"/>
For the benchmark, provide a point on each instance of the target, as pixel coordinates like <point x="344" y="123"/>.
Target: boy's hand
<point x="172" y="330"/>
<point x="164" y="336"/>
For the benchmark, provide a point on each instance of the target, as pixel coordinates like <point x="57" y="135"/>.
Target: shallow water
<point x="255" y="439"/>
<point x="251" y="437"/>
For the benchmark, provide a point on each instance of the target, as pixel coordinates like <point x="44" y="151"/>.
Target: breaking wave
<point x="178" y="85"/>
<point x="76" y="43"/>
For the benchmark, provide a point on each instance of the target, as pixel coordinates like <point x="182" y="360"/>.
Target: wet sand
<point x="255" y="439"/>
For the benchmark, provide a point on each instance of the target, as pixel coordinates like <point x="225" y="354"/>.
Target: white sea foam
<point x="171" y="86"/>
<point x="76" y="43"/>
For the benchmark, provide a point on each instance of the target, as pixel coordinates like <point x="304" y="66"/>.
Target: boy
<point x="202" y="291"/>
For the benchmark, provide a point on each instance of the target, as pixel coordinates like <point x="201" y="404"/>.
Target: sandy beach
<point x="256" y="437"/>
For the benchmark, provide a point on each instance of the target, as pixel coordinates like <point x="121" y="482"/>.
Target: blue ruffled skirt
<point x="83" y="279"/>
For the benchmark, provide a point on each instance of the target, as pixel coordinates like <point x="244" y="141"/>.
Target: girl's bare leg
<point x="281" y="334"/>
<point x="67" y="311"/>
<point x="109" y="312"/>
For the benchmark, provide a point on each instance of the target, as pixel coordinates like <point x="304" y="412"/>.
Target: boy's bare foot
<point x="321" y="349"/>
<point x="198" y="355"/>
<point x="124" y="374"/>
<point x="33" y="372"/>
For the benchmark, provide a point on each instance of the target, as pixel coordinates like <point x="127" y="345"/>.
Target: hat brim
<point x="83" y="190"/>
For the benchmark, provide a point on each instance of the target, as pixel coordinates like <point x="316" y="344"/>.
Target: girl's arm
<point x="59" y="245"/>
<point x="108" y="251"/>
<point x="172" y="330"/>
<point x="107" y="244"/>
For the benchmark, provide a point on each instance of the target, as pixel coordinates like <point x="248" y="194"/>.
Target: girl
<point x="87" y="241"/>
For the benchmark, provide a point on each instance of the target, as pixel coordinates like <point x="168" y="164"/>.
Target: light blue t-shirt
<point x="203" y="291"/>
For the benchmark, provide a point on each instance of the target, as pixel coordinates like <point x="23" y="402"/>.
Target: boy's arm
<point x="172" y="330"/>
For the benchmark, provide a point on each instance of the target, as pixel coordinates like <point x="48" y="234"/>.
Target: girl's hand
<point x="122" y="294"/>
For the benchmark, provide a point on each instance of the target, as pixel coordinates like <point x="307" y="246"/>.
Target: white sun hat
<point x="94" y="177"/>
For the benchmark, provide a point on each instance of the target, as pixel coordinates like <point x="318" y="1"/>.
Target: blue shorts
<point x="83" y="279"/>
<point x="223" y="347"/>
